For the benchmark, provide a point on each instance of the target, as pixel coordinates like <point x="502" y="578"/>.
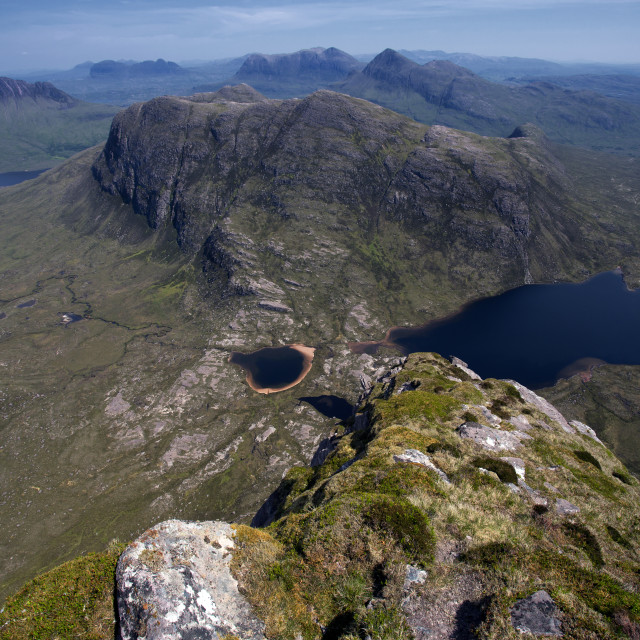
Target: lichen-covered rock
<point x="543" y="405"/>
<point x="174" y="581"/>
<point x="536" y="614"/>
<point x="490" y="438"/>
<point x="585" y="430"/>
<point x="566" y="508"/>
<point x="411" y="456"/>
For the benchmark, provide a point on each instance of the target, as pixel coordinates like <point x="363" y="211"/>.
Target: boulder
<point x="413" y="456"/>
<point x="565" y="508"/>
<point x="174" y="581"/>
<point x="536" y="614"/>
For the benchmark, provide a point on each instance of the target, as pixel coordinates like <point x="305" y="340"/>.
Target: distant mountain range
<point x="295" y="74"/>
<point x="502" y="68"/>
<point x="441" y="92"/>
<point x="596" y="111"/>
<point x="40" y="125"/>
<point x="110" y="69"/>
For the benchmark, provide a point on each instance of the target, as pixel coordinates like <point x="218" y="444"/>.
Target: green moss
<point x="75" y="600"/>
<point x="585" y="456"/>
<point x="550" y="453"/>
<point x="582" y="538"/>
<point x="502" y="469"/>
<point x="595" y="589"/>
<point x="617" y="537"/>
<point x="445" y="447"/>
<point x="623" y="477"/>
<point x="384" y="622"/>
<point x="415" y="405"/>
<point x="400" y="480"/>
<point x="598" y="482"/>
<point x="407" y="525"/>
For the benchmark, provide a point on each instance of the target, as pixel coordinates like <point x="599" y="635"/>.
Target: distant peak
<point x="19" y="89"/>
<point x="390" y="59"/>
<point x="231" y="93"/>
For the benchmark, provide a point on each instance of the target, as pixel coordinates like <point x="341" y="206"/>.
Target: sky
<point x="58" y="34"/>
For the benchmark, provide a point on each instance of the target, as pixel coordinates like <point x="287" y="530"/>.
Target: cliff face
<point x="406" y="202"/>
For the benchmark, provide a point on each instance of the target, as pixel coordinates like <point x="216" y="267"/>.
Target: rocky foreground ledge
<point x="450" y="507"/>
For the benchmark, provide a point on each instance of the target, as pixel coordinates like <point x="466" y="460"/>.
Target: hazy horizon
<point x="34" y="35"/>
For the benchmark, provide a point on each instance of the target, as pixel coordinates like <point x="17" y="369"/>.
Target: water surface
<point x="330" y="406"/>
<point x="16" y="177"/>
<point x="275" y="368"/>
<point x="534" y="333"/>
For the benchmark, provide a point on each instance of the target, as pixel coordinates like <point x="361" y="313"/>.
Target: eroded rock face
<point x="174" y="581"/>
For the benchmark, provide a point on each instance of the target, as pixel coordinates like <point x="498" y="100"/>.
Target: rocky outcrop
<point x="537" y="615"/>
<point x="174" y="581"/>
<point x="391" y="508"/>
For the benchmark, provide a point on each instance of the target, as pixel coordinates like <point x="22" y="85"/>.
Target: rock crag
<point x="411" y="529"/>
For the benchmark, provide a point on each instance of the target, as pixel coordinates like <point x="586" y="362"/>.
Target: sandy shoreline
<point x="307" y="352"/>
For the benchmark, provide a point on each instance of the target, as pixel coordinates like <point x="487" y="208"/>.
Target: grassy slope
<point x="344" y="536"/>
<point x="39" y="136"/>
<point x="105" y="266"/>
<point x="609" y="402"/>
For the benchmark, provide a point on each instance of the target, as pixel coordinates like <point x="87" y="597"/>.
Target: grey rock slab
<point x="542" y="405"/>
<point x="535" y="496"/>
<point x="585" y="430"/>
<point x="491" y="418"/>
<point x="536" y="614"/>
<point x="520" y="422"/>
<point x="414" y="576"/>
<point x="272" y="305"/>
<point x="490" y="438"/>
<point x="413" y="456"/>
<point x="174" y="581"/>
<point x="566" y="508"/>
<point x="461" y="364"/>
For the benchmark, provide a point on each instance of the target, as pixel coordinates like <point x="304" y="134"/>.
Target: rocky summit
<point x="451" y="507"/>
<point x="419" y="525"/>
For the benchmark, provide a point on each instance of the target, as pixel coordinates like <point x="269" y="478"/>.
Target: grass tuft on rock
<point x="74" y="600"/>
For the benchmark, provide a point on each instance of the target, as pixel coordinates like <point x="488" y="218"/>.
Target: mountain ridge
<point x="440" y="92"/>
<point x="41" y="125"/>
<point x="447" y="505"/>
